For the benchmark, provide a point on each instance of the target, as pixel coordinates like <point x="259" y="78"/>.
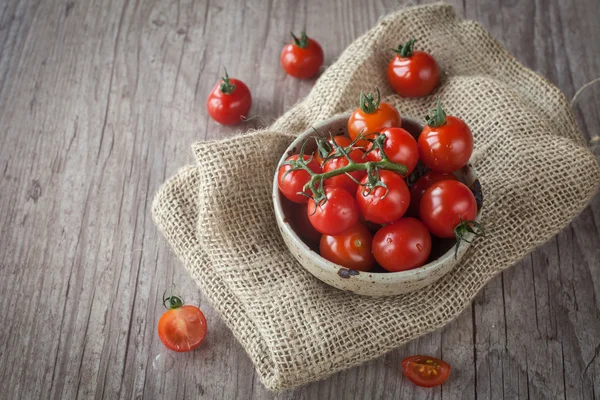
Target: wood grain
<point x="99" y="102"/>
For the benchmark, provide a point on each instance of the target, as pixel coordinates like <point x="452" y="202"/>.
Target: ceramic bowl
<point x="377" y="282"/>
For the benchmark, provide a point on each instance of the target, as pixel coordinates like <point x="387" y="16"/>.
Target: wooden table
<point x="99" y="103"/>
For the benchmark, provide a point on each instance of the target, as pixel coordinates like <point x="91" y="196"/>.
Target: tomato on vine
<point x="291" y="182"/>
<point x="325" y="147"/>
<point x="384" y="202"/>
<point x="351" y="250"/>
<point x="403" y="245"/>
<point x="446" y="143"/>
<point x="303" y="58"/>
<point x="399" y="146"/>
<point x="183" y="327"/>
<point x="422" y="184"/>
<point x="229" y="101"/>
<point x="345" y="181"/>
<point x="412" y="73"/>
<point x="425" y="371"/>
<point x="335" y="214"/>
<point x="372" y="117"/>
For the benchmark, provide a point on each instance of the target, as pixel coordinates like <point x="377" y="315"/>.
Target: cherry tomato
<point x="335" y="216"/>
<point x="294" y="181"/>
<point x="183" y="327"/>
<point x="444" y="205"/>
<point x="344" y="181"/>
<point x="304" y="228"/>
<point x="446" y="143"/>
<point x="382" y="205"/>
<point x="412" y="73"/>
<point x="372" y="117"/>
<point x="351" y="250"/>
<point x="403" y="245"/>
<point x="421" y="185"/>
<point x="229" y="102"/>
<point x="303" y="58"/>
<point x="399" y="146"/>
<point x="342" y="141"/>
<point x="425" y="371"/>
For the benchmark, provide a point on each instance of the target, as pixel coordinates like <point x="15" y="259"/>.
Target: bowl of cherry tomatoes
<point x="376" y="204"/>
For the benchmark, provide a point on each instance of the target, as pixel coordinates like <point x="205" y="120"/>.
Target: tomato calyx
<point x="368" y="104"/>
<point x="302" y="42"/>
<point x="465" y="227"/>
<point x="226" y="86"/>
<point x="438" y="116"/>
<point x="405" y="50"/>
<point x="172" y="301"/>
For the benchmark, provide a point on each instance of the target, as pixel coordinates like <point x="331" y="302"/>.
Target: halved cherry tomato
<point x="342" y="141"/>
<point x="229" y="102"/>
<point x="183" y="327"/>
<point x="344" y="181"/>
<point x="421" y="185"/>
<point x="425" y="371"/>
<point x="304" y="228"/>
<point x="382" y="205"/>
<point x="446" y="143"/>
<point x="303" y="58"/>
<point x="293" y="183"/>
<point x="445" y="205"/>
<point x="372" y="117"/>
<point x="403" y="245"/>
<point x="351" y="250"/>
<point x="336" y="215"/>
<point x="412" y="73"/>
<point x="399" y="146"/>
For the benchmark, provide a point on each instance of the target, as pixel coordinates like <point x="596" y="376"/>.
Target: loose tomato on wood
<point x="291" y="183"/>
<point x="344" y="181"/>
<point x="229" y="102"/>
<point x="303" y="58"/>
<point x="412" y="73"/>
<point x="351" y="250"/>
<point x="372" y="117"/>
<point x="446" y="143"/>
<point x="425" y="371"/>
<point x="421" y="185"/>
<point x="403" y="245"/>
<point x="336" y="214"/>
<point x="183" y="327"/>
<point x="383" y="205"/>
<point x="399" y="146"/>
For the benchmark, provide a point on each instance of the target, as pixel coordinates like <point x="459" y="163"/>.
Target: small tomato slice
<point x="344" y="181"/>
<point x="292" y="183"/>
<point x="351" y="250"/>
<point x="183" y="328"/>
<point x="336" y="215"/>
<point x="425" y="371"/>
<point x="382" y="205"/>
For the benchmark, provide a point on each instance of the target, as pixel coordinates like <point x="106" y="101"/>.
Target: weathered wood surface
<point x="99" y="102"/>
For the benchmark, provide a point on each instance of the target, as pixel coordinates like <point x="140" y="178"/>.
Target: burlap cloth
<point x="534" y="166"/>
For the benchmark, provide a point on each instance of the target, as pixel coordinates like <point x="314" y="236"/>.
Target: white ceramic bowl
<point x="365" y="283"/>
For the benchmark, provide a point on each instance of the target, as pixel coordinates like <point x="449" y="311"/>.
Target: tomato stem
<point x="226" y="86"/>
<point x="438" y="116"/>
<point x="174" y="301"/>
<point x="464" y="227"/>
<point x="405" y="50"/>
<point x="368" y="104"/>
<point x="302" y="42"/>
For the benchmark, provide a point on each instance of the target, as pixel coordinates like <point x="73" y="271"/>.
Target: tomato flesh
<point x="425" y="371"/>
<point x="351" y="250"/>
<point x="182" y="329"/>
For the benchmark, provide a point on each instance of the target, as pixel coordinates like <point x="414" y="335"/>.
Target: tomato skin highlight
<point x="351" y="250"/>
<point x="426" y="371"/>
<point x="229" y="108"/>
<point x="444" y="205"/>
<point x="421" y="185"/>
<point x="386" y="116"/>
<point x="446" y="148"/>
<point x="403" y="245"/>
<point x="344" y="181"/>
<point x="182" y="329"/>
<point x="413" y="76"/>
<point x="382" y="205"/>
<point x="335" y="216"/>
<point x="302" y="63"/>
<point x="294" y="181"/>
<point x="400" y="147"/>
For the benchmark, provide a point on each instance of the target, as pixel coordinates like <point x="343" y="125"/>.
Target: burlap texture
<point x="535" y="170"/>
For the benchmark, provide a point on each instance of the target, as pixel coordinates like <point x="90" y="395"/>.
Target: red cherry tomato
<point x="335" y="216"/>
<point x="446" y="143"/>
<point x="293" y="183"/>
<point x="425" y="371"/>
<point x="344" y="181"/>
<point x="304" y="228"/>
<point x="351" y="250"/>
<point x="403" y="245"/>
<point x="303" y="58"/>
<point x="342" y="141"/>
<point x="182" y="328"/>
<point x="399" y="146"/>
<point x="444" y="205"/>
<point x="412" y="73"/>
<point x="372" y="117"/>
<point x="421" y="185"/>
<point x="229" y="102"/>
<point x="382" y="205"/>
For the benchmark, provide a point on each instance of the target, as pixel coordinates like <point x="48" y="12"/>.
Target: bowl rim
<point x="414" y="274"/>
